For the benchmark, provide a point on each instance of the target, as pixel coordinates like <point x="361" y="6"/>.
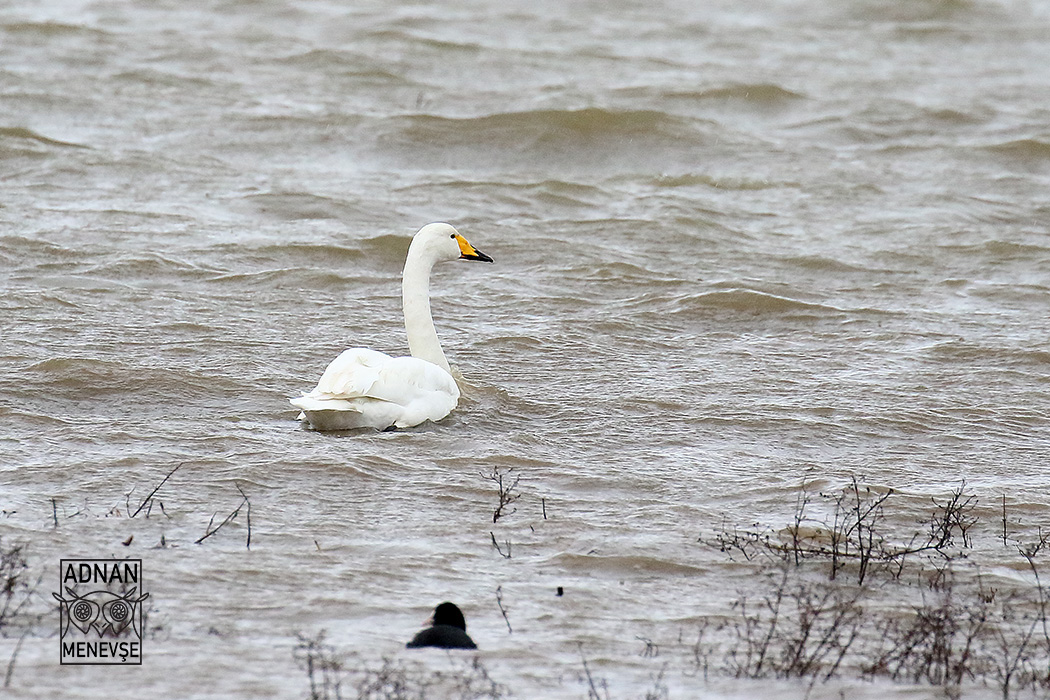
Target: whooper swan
<point x="364" y="388"/>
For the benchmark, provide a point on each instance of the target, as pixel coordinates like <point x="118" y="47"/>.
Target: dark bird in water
<point x="448" y="630"/>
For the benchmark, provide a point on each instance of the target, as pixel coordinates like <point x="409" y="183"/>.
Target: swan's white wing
<point x="352" y="373"/>
<point x="365" y="388"/>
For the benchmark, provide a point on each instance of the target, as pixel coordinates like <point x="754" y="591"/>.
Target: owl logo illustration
<point x="104" y="611"/>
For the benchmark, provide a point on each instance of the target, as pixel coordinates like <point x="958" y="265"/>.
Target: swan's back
<point x="364" y="388"/>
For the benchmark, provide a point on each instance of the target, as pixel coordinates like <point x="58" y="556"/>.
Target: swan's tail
<point x="311" y="402"/>
<point x="333" y="413"/>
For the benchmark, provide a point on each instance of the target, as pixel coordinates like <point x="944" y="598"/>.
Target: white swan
<point x="363" y="388"/>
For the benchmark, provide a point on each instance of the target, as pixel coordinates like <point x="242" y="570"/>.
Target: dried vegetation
<point x="860" y="584"/>
<point x="333" y="676"/>
<point x="852" y="595"/>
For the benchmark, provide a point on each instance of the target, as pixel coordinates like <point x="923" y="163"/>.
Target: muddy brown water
<point x="737" y="248"/>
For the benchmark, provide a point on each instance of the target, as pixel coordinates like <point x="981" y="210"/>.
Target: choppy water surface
<point x="738" y="246"/>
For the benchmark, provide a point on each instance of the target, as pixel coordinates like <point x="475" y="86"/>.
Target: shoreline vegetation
<point x="860" y="585"/>
<point x="855" y="584"/>
<point x="854" y="594"/>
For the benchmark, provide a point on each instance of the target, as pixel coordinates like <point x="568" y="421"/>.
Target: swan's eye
<point x="452" y="236"/>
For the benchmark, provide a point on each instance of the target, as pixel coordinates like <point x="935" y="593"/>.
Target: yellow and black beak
<point x="469" y="252"/>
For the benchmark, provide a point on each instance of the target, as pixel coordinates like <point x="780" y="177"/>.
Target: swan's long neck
<point x="415" y="301"/>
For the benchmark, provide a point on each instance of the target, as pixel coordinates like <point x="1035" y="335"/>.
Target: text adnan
<point x="101" y="572"/>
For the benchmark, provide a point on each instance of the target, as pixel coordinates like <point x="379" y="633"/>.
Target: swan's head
<point x="443" y="242"/>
